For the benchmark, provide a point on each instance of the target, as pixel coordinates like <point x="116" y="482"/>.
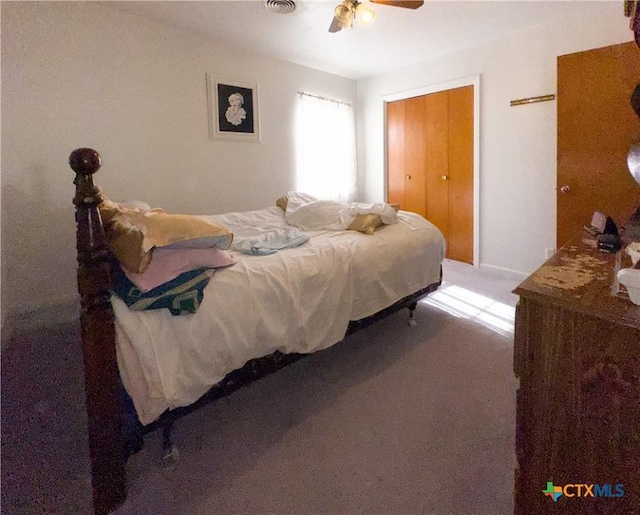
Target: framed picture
<point x="233" y="109"/>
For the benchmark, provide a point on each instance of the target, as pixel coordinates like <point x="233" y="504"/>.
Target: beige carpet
<point x="395" y="419"/>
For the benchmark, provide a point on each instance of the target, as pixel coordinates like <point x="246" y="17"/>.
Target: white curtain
<point x="326" y="135"/>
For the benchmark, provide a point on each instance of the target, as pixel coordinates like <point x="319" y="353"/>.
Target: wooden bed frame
<point x="111" y="439"/>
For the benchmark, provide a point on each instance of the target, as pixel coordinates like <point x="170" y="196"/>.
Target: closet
<point x="430" y="163"/>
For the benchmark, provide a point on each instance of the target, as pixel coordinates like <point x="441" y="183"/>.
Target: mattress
<point x="295" y="300"/>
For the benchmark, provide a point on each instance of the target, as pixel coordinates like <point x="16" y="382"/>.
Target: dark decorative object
<point x="632" y="11"/>
<point x="633" y="159"/>
<point x="632" y="226"/>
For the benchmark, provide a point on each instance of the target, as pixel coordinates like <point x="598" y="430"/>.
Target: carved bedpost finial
<point x="85" y="161"/>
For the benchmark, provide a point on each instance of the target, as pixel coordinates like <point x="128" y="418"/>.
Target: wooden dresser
<point x="577" y="356"/>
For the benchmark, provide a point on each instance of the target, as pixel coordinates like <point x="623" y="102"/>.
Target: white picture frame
<point x="233" y="109"/>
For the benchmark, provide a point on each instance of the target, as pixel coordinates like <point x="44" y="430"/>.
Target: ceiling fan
<point x="349" y="10"/>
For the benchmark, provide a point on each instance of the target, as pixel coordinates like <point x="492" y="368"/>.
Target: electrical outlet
<point x="548" y="252"/>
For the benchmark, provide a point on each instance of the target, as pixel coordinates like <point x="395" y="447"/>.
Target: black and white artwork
<point x="233" y="109"/>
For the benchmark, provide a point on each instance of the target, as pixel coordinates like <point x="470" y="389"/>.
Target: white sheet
<point x="308" y="213"/>
<point x="261" y="304"/>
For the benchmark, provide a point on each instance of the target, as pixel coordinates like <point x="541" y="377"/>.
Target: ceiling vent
<point x="280" y="6"/>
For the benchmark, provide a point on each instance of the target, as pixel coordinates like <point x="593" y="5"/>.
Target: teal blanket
<point x="183" y="295"/>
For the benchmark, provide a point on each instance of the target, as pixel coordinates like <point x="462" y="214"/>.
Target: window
<point x="326" y="146"/>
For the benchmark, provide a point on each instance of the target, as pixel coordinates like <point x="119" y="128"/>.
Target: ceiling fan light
<point x="365" y="14"/>
<point x="343" y="14"/>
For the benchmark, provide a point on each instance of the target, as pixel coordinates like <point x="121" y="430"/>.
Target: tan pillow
<point x="367" y="223"/>
<point x="282" y="203"/>
<point x="133" y="233"/>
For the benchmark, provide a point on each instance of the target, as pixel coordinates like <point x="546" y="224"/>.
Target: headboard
<point x="104" y="402"/>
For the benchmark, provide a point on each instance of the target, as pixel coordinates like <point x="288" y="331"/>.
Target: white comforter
<point x="296" y="300"/>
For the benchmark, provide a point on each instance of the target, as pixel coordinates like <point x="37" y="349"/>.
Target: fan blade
<point x="335" y="26"/>
<point x="408" y="4"/>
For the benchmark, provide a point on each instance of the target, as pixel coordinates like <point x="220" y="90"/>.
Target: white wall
<point x="77" y="74"/>
<point x="517" y="144"/>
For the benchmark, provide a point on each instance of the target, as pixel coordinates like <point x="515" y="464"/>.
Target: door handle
<point x="445" y="177"/>
<point x="407" y="177"/>
<point x="565" y="189"/>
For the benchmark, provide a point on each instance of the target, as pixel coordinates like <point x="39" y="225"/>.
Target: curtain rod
<point x="302" y="93"/>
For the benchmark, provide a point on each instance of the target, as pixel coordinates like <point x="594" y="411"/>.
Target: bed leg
<point x="170" y="452"/>
<point x="412" y="307"/>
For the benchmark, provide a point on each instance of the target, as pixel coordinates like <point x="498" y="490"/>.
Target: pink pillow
<point x="167" y="264"/>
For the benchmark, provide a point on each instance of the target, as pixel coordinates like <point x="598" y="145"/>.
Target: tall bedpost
<point x="104" y="404"/>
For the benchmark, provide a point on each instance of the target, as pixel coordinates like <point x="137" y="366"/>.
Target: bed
<point x="264" y="307"/>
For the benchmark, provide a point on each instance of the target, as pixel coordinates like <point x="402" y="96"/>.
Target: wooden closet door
<point x="596" y="128"/>
<point x="415" y="149"/>
<point x="406" y="154"/>
<point x="460" y="180"/>
<point x="436" y="122"/>
<point x="395" y="153"/>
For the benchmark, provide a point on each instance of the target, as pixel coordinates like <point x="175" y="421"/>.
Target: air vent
<point x="280" y="6"/>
